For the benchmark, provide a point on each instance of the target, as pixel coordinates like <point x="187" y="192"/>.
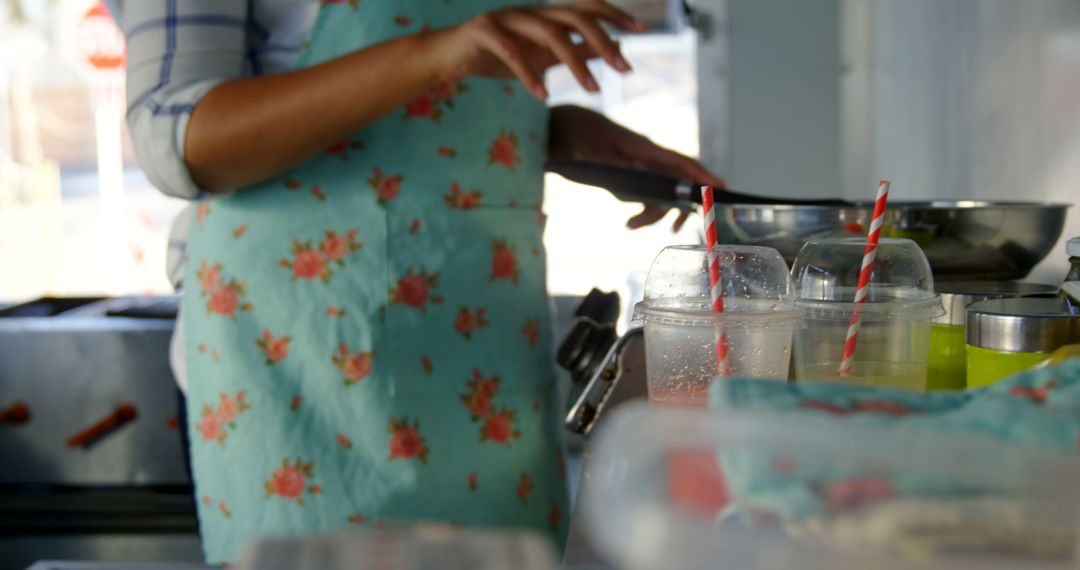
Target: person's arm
<point x="583" y="134"/>
<point x="176" y="52"/>
<point x="247" y="130"/>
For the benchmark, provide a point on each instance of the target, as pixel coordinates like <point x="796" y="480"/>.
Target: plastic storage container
<point x="1006" y="336"/>
<point x="947" y="363"/>
<point x="681" y="329"/>
<point x="877" y="498"/>
<point x="894" y="338"/>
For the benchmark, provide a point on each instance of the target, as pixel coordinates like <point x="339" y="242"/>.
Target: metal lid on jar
<point x="1021" y="325"/>
<point x="956" y="296"/>
<point x="1072" y="247"/>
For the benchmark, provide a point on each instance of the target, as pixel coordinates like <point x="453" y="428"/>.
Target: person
<point x="365" y="323"/>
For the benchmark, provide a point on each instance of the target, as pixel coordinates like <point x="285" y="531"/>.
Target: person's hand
<point x="523" y="42"/>
<point x="583" y="134"/>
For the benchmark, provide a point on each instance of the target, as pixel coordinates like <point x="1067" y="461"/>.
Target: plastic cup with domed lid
<point x="681" y="330"/>
<point x="893" y="340"/>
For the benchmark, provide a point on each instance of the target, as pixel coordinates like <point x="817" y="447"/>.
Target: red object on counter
<point x="695" y="484"/>
<point x="17" y="413"/>
<point x="124" y="413"/>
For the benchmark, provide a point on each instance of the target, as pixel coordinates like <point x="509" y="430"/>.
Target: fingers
<point x="649" y="215"/>
<point x="653" y="213"/>
<point x="680" y="220"/>
<point x="540" y="58"/>
<point x="553" y="36"/>
<point x="496" y="40"/>
<point x="593" y="35"/>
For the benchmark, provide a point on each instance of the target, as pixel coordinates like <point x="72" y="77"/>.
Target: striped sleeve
<point x="177" y="51"/>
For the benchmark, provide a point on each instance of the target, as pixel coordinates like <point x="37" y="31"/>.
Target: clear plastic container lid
<point x="814" y="493"/>
<point x="826" y="277"/>
<point x="755" y="282"/>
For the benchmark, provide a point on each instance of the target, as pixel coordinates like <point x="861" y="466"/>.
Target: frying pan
<point x="963" y="240"/>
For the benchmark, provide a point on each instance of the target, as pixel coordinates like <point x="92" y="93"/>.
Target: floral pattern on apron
<point x="368" y="335"/>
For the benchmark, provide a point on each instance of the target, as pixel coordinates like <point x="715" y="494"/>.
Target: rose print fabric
<point x="368" y="334"/>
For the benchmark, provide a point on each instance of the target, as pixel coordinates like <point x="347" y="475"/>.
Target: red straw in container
<point x="715" y="289"/>
<point x="864" y="276"/>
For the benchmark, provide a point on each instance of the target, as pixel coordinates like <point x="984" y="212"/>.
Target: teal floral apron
<point x="368" y="335"/>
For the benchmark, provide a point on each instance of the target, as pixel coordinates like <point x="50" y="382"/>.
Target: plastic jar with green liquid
<point x="1006" y="336"/>
<point x="947" y="364"/>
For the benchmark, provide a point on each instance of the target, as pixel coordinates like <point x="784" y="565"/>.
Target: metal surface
<point x="956" y="296"/>
<point x="132" y="525"/>
<point x="963" y="240"/>
<point x="93" y="465"/>
<point x="583" y="348"/>
<point x="966" y="240"/>
<point x="618" y="378"/>
<point x="71" y="373"/>
<point x="133" y="548"/>
<point x="591" y="333"/>
<point x="632" y="184"/>
<point x="71" y="565"/>
<point x="1021" y="325"/>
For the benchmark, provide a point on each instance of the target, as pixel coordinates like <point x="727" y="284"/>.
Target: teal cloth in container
<point x="1038" y="410"/>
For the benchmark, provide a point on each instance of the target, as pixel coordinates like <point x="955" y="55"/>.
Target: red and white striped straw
<point x="716" y="289"/>
<point x="864" y="276"/>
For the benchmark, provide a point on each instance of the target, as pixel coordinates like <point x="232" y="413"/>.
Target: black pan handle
<point x="633" y="185"/>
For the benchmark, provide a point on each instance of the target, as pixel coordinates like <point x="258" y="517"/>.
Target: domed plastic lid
<point x="755" y="282"/>
<point x="826" y="276"/>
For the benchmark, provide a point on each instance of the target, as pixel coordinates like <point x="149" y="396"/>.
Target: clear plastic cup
<point x="681" y="330"/>
<point x="894" y="339"/>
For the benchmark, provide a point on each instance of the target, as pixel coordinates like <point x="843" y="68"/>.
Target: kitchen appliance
<point x="1070" y="289"/>
<point x="93" y="466"/>
<point x="963" y="240"/>
<point x="605" y="369"/>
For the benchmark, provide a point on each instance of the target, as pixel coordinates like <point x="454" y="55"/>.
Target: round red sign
<point x="98" y="41"/>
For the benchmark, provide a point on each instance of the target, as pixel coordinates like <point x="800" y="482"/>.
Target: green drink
<point x="947" y="363"/>
<point x="986" y="365"/>
<point x="948" y="356"/>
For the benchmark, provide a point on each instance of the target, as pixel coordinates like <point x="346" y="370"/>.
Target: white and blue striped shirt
<point x="177" y="50"/>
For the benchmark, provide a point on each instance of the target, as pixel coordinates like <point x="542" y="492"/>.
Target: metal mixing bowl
<point x="966" y="240"/>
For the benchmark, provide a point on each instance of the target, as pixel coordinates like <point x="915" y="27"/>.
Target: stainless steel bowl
<point x="966" y="240"/>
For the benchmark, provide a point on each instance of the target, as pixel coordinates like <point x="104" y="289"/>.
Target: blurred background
<point x="62" y="233"/>
<point x="970" y="99"/>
